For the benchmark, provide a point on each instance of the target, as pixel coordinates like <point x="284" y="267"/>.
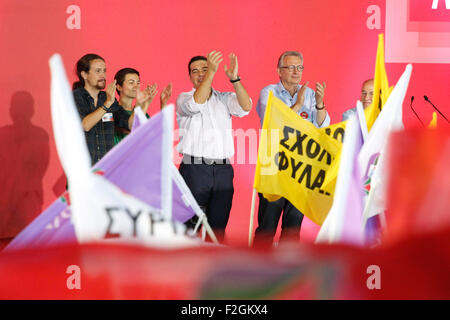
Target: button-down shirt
<point x="100" y="139"/>
<point x="307" y="111"/>
<point x="205" y="129"/>
<point x="347" y="114"/>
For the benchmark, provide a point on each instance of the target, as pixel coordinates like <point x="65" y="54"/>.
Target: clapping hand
<point x="320" y="93"/>
<point x="145" y="97"/>
<point x="213" y="60"/>
<point x="110" y="94"/>
<point x="300" y="97"/>
<point x="165" y="95"/>
<point x="232" y="72"/>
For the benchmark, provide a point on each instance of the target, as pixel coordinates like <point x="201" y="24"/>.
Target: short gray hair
<point x="289" y="53"/>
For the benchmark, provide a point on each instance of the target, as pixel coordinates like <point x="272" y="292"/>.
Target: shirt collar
<point x="214" y="91"/>
<point x="281" y="88"/>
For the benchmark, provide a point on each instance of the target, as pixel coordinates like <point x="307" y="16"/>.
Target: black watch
<point x="105" y="108"/>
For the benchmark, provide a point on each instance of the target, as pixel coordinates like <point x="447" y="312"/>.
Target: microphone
<point x="412" y="99"/>
<point x="428" y="100"/>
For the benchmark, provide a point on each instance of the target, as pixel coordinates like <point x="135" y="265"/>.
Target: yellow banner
<point x="300" y="162"/>
<point x="294" y="158"/>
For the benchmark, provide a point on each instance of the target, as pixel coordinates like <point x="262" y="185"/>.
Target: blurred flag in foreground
<point x="343" y="223"/>
<point x="373" y="159"/>
<point x="419" y="184"/>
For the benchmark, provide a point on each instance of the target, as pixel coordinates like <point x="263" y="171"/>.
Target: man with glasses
<point x="308" y="104"/>
<point x="206" y="140"/>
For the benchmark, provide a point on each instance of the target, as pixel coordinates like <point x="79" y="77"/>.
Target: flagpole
<point x="252" y="214"/>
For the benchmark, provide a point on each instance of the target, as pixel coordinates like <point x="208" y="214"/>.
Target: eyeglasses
<point x="292" y="68"/>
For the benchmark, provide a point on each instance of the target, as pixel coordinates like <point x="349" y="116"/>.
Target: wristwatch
<point x="105" y="108"/>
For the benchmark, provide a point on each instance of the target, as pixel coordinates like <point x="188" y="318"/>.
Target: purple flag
<point x="134" y="165"/>
<point x="51" y="227"/>
<point x="343" y="223"/>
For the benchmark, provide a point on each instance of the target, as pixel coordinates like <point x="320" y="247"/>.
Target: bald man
<point x="366" y="98"/>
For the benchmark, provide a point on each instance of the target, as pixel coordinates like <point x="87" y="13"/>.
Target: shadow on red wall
<point x="24" y="158"/>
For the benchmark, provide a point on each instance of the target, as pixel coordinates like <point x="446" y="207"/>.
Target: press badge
<point x="107" y="117"/>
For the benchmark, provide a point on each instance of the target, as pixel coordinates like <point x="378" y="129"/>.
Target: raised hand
<point x="110" y="94"/>
<point x="320" y="93"/>
<point x="145" y="97"/>
<point x="232" y="72"/>
<point x="165" y="95"/>
<point x="300" y="97"/>
<point x="214" y="58"/>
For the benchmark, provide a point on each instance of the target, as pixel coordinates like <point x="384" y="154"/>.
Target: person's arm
<point x="241" y="93"/>
<point x="262" y="104"/>
<point x="203" y="91"/>
<point x="144" y="98"/>
<point x="94" y="117"/>
<point x="320" y="106"/>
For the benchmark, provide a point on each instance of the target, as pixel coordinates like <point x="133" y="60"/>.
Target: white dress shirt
<point x="205" y="129"/>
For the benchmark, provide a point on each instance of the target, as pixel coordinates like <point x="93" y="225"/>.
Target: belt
<point x="187" y="159"/>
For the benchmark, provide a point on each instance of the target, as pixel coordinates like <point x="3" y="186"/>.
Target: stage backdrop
<point x="337" y="38"/>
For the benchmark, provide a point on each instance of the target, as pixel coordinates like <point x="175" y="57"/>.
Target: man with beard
<point x="98" y="109"/>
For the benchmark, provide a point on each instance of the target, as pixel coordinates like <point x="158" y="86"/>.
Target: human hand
<point x="213" y="60"/>
<point x="165" y="95"/>
<point x="110" y="94"/>
<point x="301" y="97"/>
<point x="232" y="72"/>
<point x="320" y="93"/>
<point x="145" y="97"/>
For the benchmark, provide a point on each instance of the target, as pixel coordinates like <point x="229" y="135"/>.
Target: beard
<point x="101" y="85"/>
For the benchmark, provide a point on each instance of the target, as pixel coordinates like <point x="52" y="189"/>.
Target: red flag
<point x="419" y="197"/>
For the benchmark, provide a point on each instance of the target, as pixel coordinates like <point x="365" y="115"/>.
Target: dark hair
<point x="84" y="64"/>
<point x="193" y="59"/>
<point x="121" y="74"/>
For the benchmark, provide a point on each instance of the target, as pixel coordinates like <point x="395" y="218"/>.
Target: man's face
<point x="130" y="86"/>
<point x="290" y="77"/>
<point x="197" y="71"/>
<point x="367" y="93"/>
<point x="96" y="76"/>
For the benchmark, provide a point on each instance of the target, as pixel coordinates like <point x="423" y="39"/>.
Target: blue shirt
<point x="307" y="111"/>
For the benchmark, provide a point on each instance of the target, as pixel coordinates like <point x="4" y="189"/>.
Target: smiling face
<point x="287" y="77"/>
<point x="130" y="86"/>
<point x="95" y="78"/>
<point x="197" y="71"/>
<point x="367" y="93"/>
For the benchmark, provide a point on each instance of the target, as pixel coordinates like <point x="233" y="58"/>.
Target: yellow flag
<point x="381" y="88"/>
<point x="294" y="158"/>
<point x="433" y="122"/>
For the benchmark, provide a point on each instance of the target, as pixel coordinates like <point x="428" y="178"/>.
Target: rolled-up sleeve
<point x="325" y="122"/>
<point x="310" y="97"/>
<point x="186" y="105"/>
<point x="231" y="101"/>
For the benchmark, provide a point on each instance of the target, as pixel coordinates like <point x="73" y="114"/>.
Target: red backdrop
<point x="338" y="41"/>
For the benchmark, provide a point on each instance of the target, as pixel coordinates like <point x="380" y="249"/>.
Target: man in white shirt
<point x="309" y="105"/>
<point x="206" y="139"/>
